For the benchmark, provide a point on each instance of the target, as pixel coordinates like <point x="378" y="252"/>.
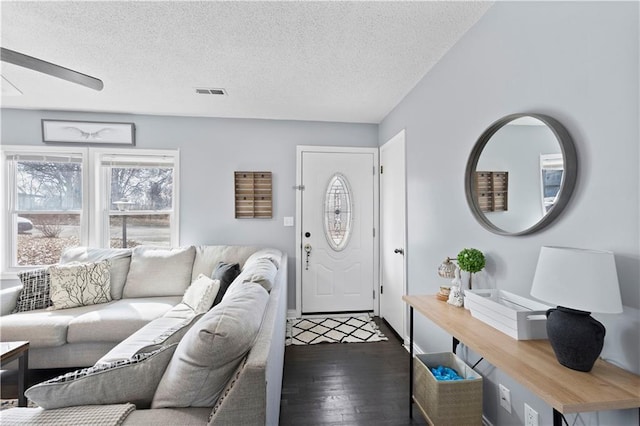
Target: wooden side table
<point x="20" y="350"/>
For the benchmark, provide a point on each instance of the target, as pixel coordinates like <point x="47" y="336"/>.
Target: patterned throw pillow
<point x="35" y="291"/>
<point x="80" y="284"/>
<point x="133" y="380"/>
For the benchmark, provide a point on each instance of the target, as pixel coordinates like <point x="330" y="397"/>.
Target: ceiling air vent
<point x="210" y="91"/>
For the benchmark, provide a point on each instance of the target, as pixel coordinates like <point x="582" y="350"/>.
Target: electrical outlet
<point x="530" y="416"/>
<point x="505" y="398"/>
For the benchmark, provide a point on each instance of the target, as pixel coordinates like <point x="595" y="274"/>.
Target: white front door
<point x="393" y="233"/>
<point x="337" y="252"/>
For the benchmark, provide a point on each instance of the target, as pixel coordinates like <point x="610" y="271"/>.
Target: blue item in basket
<point x="445" y="373"/>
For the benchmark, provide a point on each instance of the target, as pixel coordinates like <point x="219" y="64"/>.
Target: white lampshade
<point x="585" y="280"/>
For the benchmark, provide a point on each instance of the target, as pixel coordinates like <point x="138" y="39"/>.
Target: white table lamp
<point x="579" y="282"/>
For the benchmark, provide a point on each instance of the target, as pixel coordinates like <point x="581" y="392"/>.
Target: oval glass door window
<point x="337" y="212"/>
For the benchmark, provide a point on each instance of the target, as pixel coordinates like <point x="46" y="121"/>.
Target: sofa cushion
<point x="119" y="258"/>
<point x="208" y="257"/>
<point x="159" y="271"/>
<point x="80" y="284"/>
<point x="180" y="311"/>
<point x="133" y="380"/>
<point x="42" y="328"/>
<point x="159" y="332"/>
<point x="116" y="321"/>
<point x="261" y="271"/>
<point x="170" y="416"/>
<point x="274" y="255"/>
<point x="35" y="293"/>
<point x="200" y="295"/>
<point x="226" y="273"/>
<point x="211" y="350"/>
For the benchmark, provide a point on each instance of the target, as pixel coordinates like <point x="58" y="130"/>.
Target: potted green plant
<point x="471" y="260"/>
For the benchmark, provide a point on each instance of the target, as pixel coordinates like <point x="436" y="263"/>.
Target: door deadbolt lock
<point x="307" y="234"/>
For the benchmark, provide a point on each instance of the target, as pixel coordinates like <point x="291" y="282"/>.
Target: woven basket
<point x="456" y="402"/>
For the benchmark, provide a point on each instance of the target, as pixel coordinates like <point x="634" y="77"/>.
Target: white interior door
<point x="393" y="233"/>
<point x="337" y="231"/>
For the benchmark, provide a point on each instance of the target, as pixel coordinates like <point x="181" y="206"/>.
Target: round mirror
<point x="520" y="174"/>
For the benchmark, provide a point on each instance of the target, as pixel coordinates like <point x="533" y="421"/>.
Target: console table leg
<point x="23" y="367"/>
<point x="557" y="418"/>
<point x="410" y="362"/>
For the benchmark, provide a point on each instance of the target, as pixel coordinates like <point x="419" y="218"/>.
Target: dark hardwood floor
<point x="9" y="380"/>
<point x="347" y="384"/>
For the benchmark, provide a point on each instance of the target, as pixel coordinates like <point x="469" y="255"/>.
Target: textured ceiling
<point x="325" y="61"/>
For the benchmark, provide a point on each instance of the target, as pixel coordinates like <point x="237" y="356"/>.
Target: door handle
<point x="399" y="250"/>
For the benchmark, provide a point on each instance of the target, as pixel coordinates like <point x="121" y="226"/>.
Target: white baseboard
<point x="417" y="350"/>
<point x="291" y="313"/>
<point x="485" y="421"/>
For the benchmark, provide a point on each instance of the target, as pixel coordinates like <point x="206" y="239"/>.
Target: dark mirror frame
<point x="569" y="174"/>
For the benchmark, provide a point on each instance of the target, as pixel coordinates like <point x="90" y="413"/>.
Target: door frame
<point x="400" y="137"/>
<point x="376" y="216"/>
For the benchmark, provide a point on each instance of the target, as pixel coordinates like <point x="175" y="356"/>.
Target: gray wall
<point x="577" y="62"/>
<point x="211" y="149"/>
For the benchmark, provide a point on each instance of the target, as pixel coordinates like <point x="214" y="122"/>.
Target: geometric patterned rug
<point x="309" y="331"/>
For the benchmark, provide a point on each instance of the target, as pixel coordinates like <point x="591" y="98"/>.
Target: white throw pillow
<point x="211" y="350"/>
<point x="133" y="380"/>
<point x="80" y="284"/>
<point x="201" y="294"/>
<point x="159" y="271"/>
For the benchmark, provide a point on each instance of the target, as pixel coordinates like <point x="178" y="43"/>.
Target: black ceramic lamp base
<point x="576" y="337"/>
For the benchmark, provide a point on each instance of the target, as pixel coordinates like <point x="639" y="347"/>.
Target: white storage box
<point x="515" y="316"/>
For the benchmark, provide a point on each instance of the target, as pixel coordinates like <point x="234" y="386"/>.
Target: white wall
<point x="211" y="149"/>
<point x="577" y="62"/>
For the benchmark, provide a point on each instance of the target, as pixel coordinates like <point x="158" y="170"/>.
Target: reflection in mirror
<point x="533" y="151"/>
<point x="516" y="148"/>
<point x="551" y="169"/>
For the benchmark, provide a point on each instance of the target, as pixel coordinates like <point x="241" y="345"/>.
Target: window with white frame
<point x="138" y="198"/>
<point x="47" y="204"/>
<point x="551" y="171"/>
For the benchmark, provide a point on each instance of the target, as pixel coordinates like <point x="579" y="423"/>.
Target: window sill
<point x="8" y="276"/>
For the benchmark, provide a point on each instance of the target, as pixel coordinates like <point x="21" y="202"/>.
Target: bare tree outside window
<point x="49" y="195"/>
<point x="144" y="188"/>
<point x="49" y="185"/>
<point x="141" y="202"/>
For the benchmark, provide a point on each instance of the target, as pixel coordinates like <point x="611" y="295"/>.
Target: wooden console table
<point x="532" y="363"/>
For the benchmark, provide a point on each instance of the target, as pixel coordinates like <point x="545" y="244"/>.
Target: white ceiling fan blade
<point x="45" y="67"/>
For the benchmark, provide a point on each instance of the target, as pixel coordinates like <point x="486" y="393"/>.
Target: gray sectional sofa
<point x="152" y="300"/>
